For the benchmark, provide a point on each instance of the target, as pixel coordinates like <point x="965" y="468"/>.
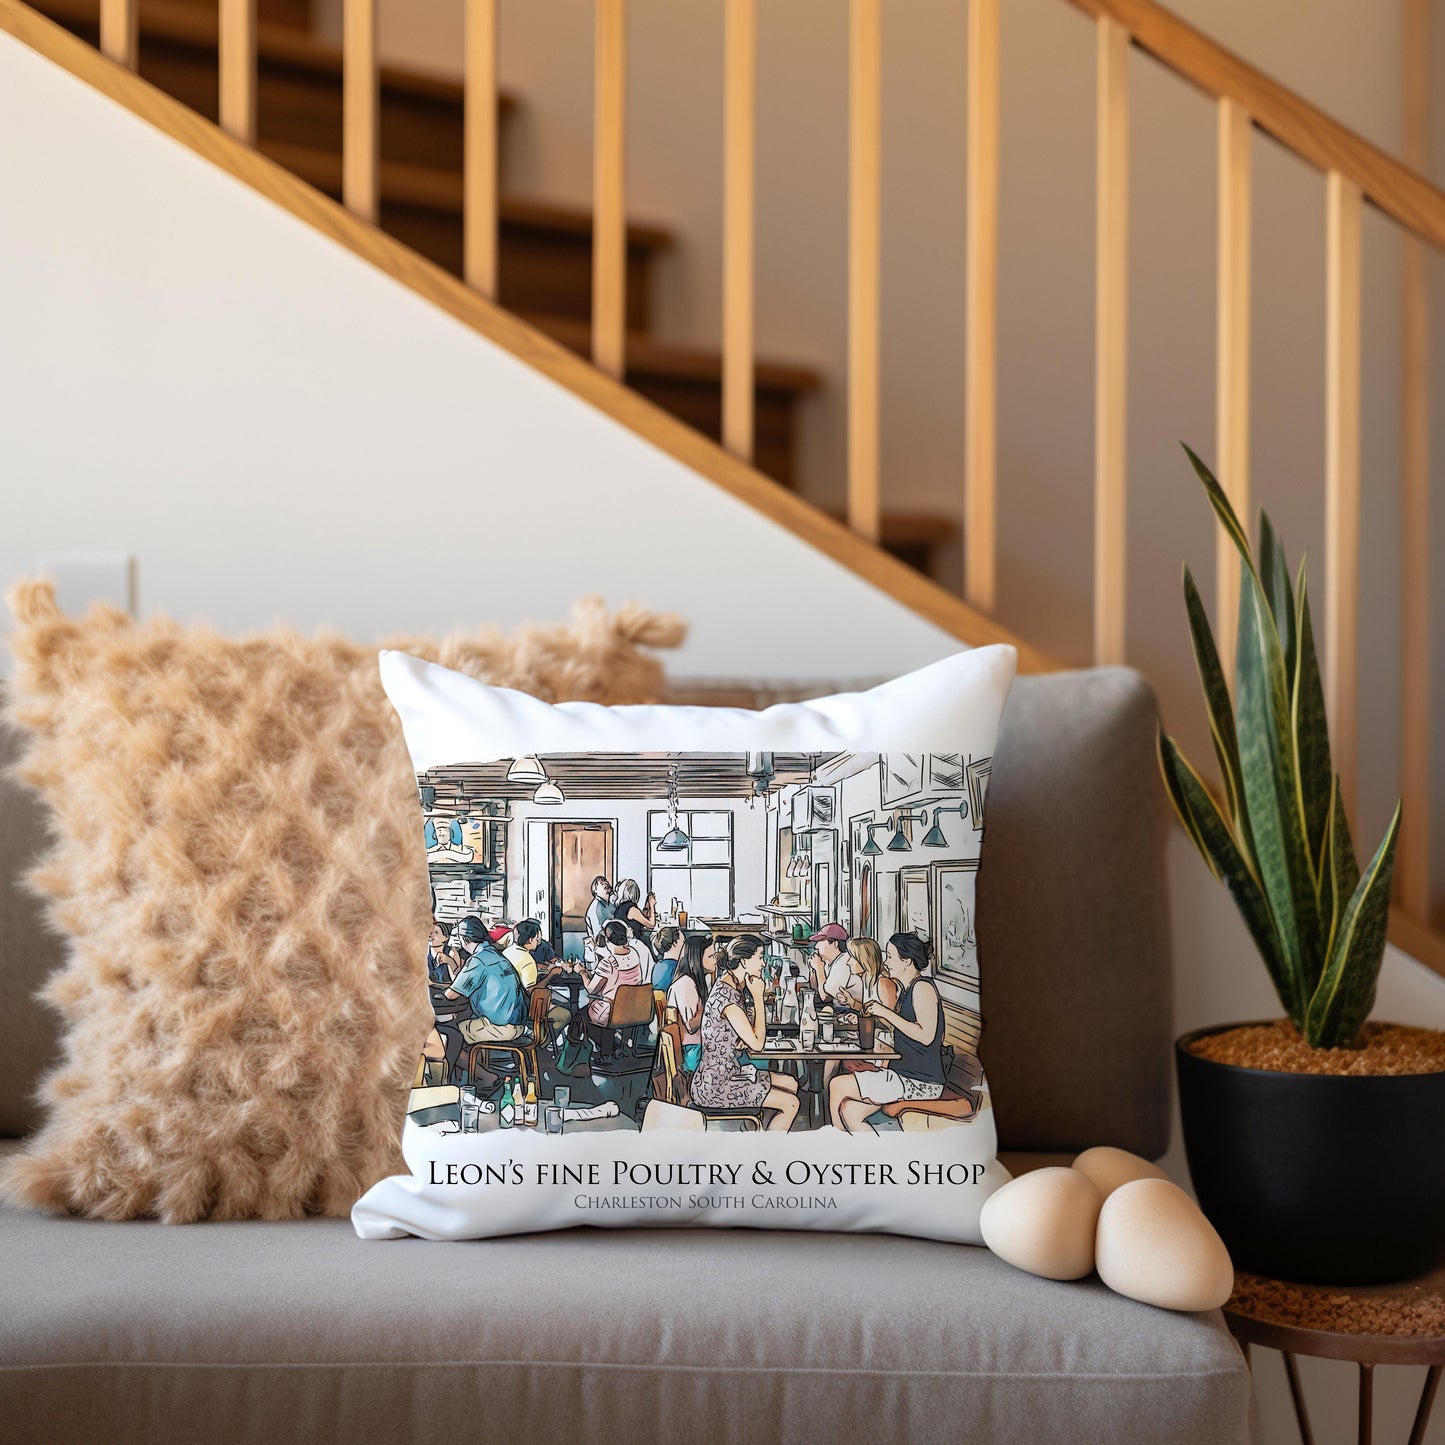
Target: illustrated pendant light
<point x="549" y="795"/>
<point x="527" y="769"/>
<point x="674" y="840"/>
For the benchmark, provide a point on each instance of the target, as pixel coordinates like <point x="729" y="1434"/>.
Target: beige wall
<point x="1343" y="56"/>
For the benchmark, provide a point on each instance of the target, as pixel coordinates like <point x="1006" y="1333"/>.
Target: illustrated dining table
<point x="845" y="1048"/>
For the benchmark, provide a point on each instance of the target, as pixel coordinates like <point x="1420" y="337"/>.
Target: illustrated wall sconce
<point x="899" y="843"/>
<point x="934" y="838"/>
<point x="870" y="849"/>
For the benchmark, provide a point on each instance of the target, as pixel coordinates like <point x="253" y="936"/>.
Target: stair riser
<point x="538" y="270"/>
<point x="303" y="108"/>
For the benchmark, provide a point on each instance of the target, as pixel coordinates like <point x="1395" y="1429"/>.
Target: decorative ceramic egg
<point x="1109" y="1168"/>
<point x="1155" y="1245"/>
<point x="1044" y="1222"/>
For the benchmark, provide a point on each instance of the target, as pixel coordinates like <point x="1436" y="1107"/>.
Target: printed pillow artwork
<point x="699" y="965"/>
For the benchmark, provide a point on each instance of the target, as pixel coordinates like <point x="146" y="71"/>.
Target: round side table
<point x="1397" y="1324"/>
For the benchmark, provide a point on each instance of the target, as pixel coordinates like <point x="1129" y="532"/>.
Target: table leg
<point x="1366" y="1432"/>
<point x="1427" y="1401"/>
<point x="1301" y="1414"/>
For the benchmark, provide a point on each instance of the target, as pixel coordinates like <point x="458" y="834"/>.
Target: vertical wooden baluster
<point x="609" y="217"/>
<point x="479" y="147"/>
<point x="1111" y="342"/>
<point x="740" y="20"/>
<point x="120" y="31"/>
<point x="1342" y="476"/>
<point x="980" y="406"/>
<point x="864" y="256"/>
<point x="1412" y="862"/>
<point x="238" y="69"/>
<point x="360" y="152"/>
<point x="1231" y="377"/>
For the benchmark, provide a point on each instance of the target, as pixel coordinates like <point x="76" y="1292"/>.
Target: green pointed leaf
<point x="1267" y="762"/>
<point x="1211" y="833"/>
<point x="1168" y="750"/>
<point x="1274" y="573"/>
<point x="1315" y="779"/>
<point x="1216" y="700"/>
<point x="1346" y="991"/>
<point x="1223" y="509"/>
<point x="1340" y="877"/>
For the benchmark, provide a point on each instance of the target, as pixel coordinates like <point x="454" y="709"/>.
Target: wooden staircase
<point x="544" y="250"/>
<point x="543" y="309"/>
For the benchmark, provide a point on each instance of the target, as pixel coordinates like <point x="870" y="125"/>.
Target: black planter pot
<point x="1324" y="1178"/>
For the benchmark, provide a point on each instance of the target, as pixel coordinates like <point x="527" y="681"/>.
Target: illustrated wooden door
<point x="580" y="851"/>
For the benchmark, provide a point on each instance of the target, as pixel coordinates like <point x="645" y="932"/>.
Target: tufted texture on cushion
<point x="236" y="870"/>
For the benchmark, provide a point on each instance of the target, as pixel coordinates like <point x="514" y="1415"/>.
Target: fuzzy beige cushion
<point x="238" y="869"/>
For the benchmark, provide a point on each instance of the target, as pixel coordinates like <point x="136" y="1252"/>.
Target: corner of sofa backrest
<point x="1073" y="918"/>
<point x="29" y="951"/>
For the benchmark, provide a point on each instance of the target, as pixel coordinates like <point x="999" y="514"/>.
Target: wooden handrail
<point x="1393" y="188"/>
<point x="891" y="577"/>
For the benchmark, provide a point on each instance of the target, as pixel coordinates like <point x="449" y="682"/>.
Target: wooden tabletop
<point x="853" y="1052"/>
<point x="1391" y="1324"/>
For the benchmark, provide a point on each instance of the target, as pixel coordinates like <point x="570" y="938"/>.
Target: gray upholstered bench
<point x="274" y="1333"/>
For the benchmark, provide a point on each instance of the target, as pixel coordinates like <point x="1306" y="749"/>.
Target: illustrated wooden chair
<point x="632" y="1008"/>
<point x="525" y="1048"/>
<point x="667" y="1073"/>
<point x="919" y="1115"/>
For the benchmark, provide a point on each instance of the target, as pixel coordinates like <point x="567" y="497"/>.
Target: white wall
<point x="273" y="429"/>
<point x="276" y="430"/>
<point x="528" y="890"/>
<point x="1343" y="56"/>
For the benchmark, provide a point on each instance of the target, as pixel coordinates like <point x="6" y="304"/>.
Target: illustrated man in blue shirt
<point x="490" y="986"/>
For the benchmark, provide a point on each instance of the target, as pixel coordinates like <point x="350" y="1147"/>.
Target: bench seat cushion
<point x="266" y="1333"/>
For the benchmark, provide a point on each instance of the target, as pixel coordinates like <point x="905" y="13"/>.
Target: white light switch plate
<point x="84" y="577"/>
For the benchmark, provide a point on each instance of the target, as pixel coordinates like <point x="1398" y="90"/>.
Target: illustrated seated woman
<point x="919" y="1073"/>
<point x="734" y="1025"/>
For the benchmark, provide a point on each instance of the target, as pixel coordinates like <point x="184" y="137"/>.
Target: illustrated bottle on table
<point x="507" y="1110"/>
<point x="529" y="1106"/>
<point x="807" y="1022"/>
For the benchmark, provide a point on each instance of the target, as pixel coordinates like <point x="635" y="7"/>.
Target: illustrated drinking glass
<point x="471" y="1112"/>
<point x="562" y="1095"/>
<point x="552" y="1119"/>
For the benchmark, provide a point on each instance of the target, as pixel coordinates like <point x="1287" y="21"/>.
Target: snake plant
<point x="1279" y="839"/>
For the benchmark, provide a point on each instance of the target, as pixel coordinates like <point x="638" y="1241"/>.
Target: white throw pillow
<point x="736" y="852"/>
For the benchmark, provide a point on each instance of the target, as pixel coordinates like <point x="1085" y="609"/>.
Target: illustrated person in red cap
<point x="831" y="970"/>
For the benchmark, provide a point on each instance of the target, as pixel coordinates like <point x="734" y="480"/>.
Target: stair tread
<point x="438" y="189"/>
<point x="646" y="355"/>
<point x="278" y="44"/>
